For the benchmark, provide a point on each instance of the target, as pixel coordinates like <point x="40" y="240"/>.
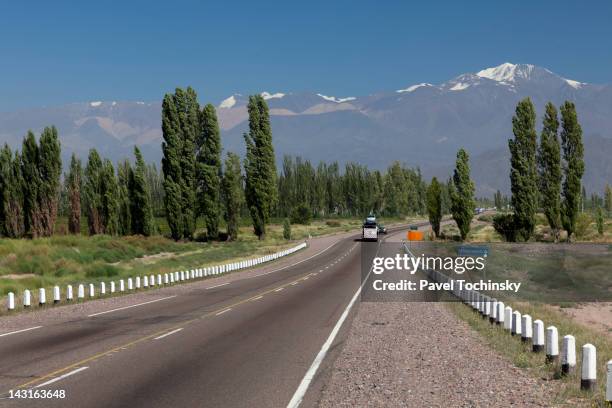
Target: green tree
<point x="74" y="180"/>
<point x="608" y="199"/>
<point x="573" y="169"/>
<point x="286" y="229"/>
<point x="11" y="189"/>
<point x="260" y="167"/>
<point x="549" y="166"/>
<point x="208" y="164"/>
<point x="124" y="200"/>
<point x="110" y="202"/>
<point x="434" y="205"/>
<point x="30" y="170"/>
<point x="523" y="169"/>
<point x="50" y="170"/>
<point x="180" y="128"/>
<point x="233" y="196"/>
<point x="93" y="193"/>
<point x="599" y="219"/>
<point x="140" y="201"/>
<point x="462" y="194"/>
<point x="498" y="200"/>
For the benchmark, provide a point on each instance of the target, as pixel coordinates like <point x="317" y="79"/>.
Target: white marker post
<point x="166" y="279"/>
<point x="42" y="297"/>
<point x="552" y="344"/>
<point x="10" y="301"/>
<point x="27" y="298"/>
<point x="500" y="313"/>
<point x="81" y="292"/>
<point x="112" y="287"/>
<point x="102" y="288"/>
<point x="159" y="279"/>
<point x="527" y="329"/>
<point x="508" y="318"/>
<point x="121" y="285"/>
<point x="568" y="354"/>
<point x="493" y="315"/>
<point x="516" y="323"/>
<point x="145" y="282"/>
<point x="538" y="336"/>
<point x="92" y="290"/>
<point x="487" y="308"/>
<point x="152" y="280"/>
<point x="589" y="368"/>
<point x="69" y="293"/>
<point x="56" y="294"/>
<point x="130" y="284"/>
<point x="138" y="282"/>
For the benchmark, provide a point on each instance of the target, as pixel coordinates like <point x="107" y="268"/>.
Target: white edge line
<point x="61" y="377"/>
<point x="167" y="334"/>
<point x="20" y="331"/>
<point x="128" y="307"/>
<point x="279" y="289"/>
<point x="223" y="311"/>
<point x="257" y="298"/>
<point x="216" y="286"/>
<point x="297" y="398"/>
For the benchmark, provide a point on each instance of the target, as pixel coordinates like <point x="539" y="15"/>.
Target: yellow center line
<point x="151" y="336"/>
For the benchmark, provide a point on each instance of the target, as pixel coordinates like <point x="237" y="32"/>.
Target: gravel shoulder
<point x="417" y="354"/>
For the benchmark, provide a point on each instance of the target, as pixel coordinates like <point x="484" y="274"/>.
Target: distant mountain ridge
<point x="422" y="124"/>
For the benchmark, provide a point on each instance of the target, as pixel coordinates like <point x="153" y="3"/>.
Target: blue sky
<point x="55" y="52"/>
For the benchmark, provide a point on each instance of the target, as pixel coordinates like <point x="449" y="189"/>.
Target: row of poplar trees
<point x="195" y="182"/>
<point x="548" y="175"/>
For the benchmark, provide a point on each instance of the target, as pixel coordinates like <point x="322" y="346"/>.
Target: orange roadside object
<point x="415" y="235"/>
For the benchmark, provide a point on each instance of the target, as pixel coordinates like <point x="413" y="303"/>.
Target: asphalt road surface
<point x="248" y="343"/>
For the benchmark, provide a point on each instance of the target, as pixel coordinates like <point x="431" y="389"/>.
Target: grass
<point x="520" y="353"/>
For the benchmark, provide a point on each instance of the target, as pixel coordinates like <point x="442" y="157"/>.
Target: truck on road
<point x="369" y="230"/>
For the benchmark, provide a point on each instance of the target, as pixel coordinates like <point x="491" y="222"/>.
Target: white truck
<point x="369" y="230"/>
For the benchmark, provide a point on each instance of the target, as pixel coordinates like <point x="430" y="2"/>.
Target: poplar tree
<point x="549" y="165"/>
<point x="434" y="205"/>
<point x="50" y="170"/>
<point x="462" y="194"/>
<point x="208" y="164"/>
<point x="260" y="167"/>
<point x="11" y="194"/>
<point x="608" y="199"/>
<point x="140" y="199"/>
<point x="523" y="169"/>
<point x="75" y="183"/>
<point x="110" y="203"/>
<point x="233" y="196"/>
<point x="573" y="167"/>
<point x="498" y="200"/>
<point x="180" y="127"/>
<point x="124" y="199"/>
<point x="93" y="193"/>
<point x="30" y="171"/>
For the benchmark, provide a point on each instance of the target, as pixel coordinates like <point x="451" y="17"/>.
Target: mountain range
<point x="421" y="124"/>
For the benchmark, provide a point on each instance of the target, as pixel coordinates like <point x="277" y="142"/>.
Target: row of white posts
<point x="541" y="340"/>
<point x="146" y="281"/>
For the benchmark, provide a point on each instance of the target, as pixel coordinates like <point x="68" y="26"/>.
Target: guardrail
<point x="520" y="325"/>
<point x="143" y="282"/>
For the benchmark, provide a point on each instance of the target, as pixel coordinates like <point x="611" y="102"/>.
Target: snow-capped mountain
<point x="421" y="124"/>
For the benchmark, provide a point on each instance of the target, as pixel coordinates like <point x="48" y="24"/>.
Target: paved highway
<point x="247" y="343"/>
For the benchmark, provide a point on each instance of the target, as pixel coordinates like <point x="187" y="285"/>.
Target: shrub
<point x="286" y="229"/>
<point x="504" y="224"/>
<point x="485" y="218"/>
<point x="583" y="222"/>
<point x="332" y="223"/>
<point x="301" y="215"/>
<point x="102" y="271"/>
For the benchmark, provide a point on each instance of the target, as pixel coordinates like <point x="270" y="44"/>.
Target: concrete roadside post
<point x="130" y="284"/>
<point x="500" y="313"/>
<point x="56" y="294"/>
<point x="112" y="287"/>
<point x="516" y="323"/>
<point x="552" y="344"/>
<point x="10" y="302"/>
<point x="69" y="293"/>
<point x="121" y="285"/>
<point x="92" y="290"/>
<point x="508" y="318"/>
<point x="102" y="288"/>
<point x="568" y="354"/>
<point x="27" y="298"/>
<point x="42" y="297"/>
<point x="527" y="329"/>
<point x="493" y="315"/>
<point x="81" y="292"/>
<point x="589" y="368"/>
<point x="538" y="336"/>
